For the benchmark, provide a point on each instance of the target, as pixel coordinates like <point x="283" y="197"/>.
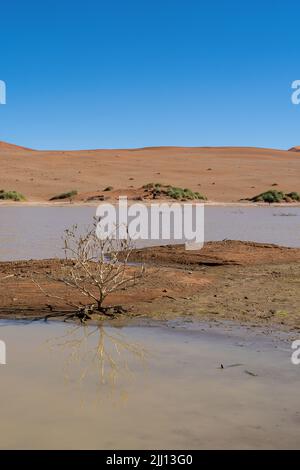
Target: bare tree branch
<point x="99" y="266"/>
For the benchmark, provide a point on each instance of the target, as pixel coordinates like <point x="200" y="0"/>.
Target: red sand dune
<point x="7" y="146"/>
<point x="221" y="173"/>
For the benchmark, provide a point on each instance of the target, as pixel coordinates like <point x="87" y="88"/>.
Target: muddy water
<point x="35" y="232"/>
<point x="146" y="387"/>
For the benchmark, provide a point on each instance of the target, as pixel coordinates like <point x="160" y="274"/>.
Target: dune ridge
<point x="223" y="174"/>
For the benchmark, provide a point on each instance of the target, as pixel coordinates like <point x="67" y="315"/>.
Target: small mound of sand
<point x="219" y="253"/>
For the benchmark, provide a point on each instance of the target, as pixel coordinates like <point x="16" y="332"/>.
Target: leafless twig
<point x="95" y="267"/>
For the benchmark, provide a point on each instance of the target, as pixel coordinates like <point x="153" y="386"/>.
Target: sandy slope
<point x="222" y="174"/>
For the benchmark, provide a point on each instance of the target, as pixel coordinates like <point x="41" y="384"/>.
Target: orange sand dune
<point x="12" y="147"/>
<point x="224" y="174"/>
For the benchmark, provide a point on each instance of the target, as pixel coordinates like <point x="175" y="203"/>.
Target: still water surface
<point x="35" y="232"/>
<point x="146" y="387"/>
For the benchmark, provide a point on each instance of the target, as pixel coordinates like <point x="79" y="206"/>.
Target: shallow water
<point x="161" y="387"/>
<point x="35" y="232"/>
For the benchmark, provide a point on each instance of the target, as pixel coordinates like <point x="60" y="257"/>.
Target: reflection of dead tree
<point x="95" y="268"/>
<point x="102" y="349"/>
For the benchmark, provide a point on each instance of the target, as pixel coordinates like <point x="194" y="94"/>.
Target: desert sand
<point x="223" y="174"/>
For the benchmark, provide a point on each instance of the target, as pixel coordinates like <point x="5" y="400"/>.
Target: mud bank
<point x="245" y="282"/>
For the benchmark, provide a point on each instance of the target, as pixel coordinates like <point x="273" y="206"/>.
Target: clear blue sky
<point x="132" y="73"/>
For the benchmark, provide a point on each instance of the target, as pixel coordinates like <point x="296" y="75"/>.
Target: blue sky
<point x="132" y="73"/>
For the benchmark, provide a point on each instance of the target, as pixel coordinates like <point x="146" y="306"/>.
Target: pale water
<point x="161" y="387"/>
<point x="35" y="232"/>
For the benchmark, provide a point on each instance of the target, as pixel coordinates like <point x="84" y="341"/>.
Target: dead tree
<point x="95" y="268"/>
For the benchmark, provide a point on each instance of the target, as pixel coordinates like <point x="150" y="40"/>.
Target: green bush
<point x="67" y="195"/>
<point x="183" y="194"/>
<point x="269" y="196"/>
<point x="11" y="196"/>
<point x="294" y="196"/>
<point x="273" y="195"/>
<point x="158" y="189"/>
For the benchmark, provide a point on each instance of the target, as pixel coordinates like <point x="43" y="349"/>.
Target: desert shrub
<point x="273" y="195"/>
<point x="200" y="196"/>
<point x="108" y="188"/>
<point x="180" y="194"/>
<point x="270" y="196"/>
<point x="67" y="195"/>
<point x="11" y="195"/>
<point x="294" y="196"/>
<point x="173" y="192"/>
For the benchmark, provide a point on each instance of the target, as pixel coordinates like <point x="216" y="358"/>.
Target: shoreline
<point x="146" y="203"/>
<point x="212" y="329"/>
<point x="244" y="282"/>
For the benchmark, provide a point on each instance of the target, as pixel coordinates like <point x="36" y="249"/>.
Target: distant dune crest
<point x="8" y="146"/>
<point x="222" y="174"/>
